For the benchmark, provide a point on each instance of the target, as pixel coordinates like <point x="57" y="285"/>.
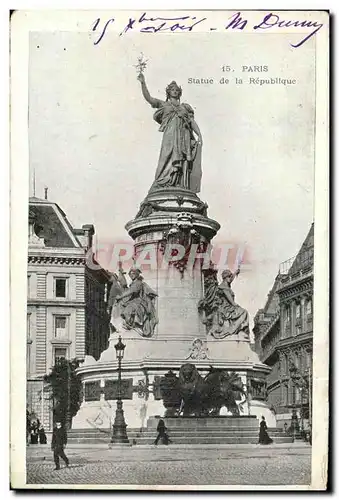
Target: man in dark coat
<point x="59" y="441"/>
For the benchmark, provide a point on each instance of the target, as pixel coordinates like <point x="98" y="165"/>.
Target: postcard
<point x="169" y="249"/>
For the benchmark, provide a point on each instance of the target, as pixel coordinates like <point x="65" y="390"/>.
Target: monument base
<point x="200" y="423"/>
<point x="143" y="400"/>
<point x="188" y="431"/>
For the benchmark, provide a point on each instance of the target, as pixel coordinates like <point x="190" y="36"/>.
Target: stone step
<point x="222" y="425"/>
<point x="216" y="441"/>
<point x="89" y="441"/>
<point x="173" y="432"/>
<point x="193" y="438"/>
<point x="176" y="431"/>
<point x="185" y="440"/>
<point x="203" y="422"/>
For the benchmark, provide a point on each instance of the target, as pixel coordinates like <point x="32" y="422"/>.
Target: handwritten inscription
<point x="187" y="23"/>
<point x="146" y="24"/>
<point x="156" y="24"/>
<point x="273" y="20"/>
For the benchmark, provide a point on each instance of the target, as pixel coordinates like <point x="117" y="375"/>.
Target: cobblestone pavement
<point x="149" y="465"/>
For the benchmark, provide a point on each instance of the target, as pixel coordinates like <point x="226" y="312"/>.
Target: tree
<point x="66" y="390"/>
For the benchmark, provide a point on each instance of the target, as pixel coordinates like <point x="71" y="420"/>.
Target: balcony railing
<point x="285" y="266"/>
<point x="301" y="273"/>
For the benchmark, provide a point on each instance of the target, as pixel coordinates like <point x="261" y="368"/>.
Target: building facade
<point x="66" y="299"/>
<point x="283" y="332"/>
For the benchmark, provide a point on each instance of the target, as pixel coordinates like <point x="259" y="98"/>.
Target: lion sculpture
<point x="190" y="394"/>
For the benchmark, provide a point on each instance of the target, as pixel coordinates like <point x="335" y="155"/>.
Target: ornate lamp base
<point x="119" y="436"/>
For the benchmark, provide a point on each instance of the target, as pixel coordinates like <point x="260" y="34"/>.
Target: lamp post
<point x="294" y="419"/>
<point x="119" y="435"/>
<point x="301" y="384"/>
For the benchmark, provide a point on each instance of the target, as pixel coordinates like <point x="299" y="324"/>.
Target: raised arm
<point x="147" y="96"/>
<point x="121" y="278"/>
<point x="134" y="289"/>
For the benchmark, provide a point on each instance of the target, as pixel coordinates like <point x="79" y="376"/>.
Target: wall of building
<point x="45" y="313"/>
<point x="285" y="344"/>
<point x="97" y="318"/>
<point x="60" y="305"/>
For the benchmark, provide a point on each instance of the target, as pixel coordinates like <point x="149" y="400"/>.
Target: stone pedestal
<point x="169" y="217"/>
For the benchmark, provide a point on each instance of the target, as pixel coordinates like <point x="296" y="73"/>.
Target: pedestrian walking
<point x="263" y="436"/>
<point x="162" y="434"/>
<point x="34" y="433"/>
<point x="59" y="441"/>
<point x="42" y="436"/>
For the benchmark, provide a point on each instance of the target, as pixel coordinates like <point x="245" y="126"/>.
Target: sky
<point x="94" y="144"/>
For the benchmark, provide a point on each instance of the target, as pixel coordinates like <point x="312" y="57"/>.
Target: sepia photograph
<point x="171" y="168"/>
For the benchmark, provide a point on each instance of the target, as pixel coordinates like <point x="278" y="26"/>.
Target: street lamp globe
<point x="119" y="348"/>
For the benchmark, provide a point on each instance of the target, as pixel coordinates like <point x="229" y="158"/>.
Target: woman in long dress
<point x="263" y="436"/>
<point x="180" y="155"/>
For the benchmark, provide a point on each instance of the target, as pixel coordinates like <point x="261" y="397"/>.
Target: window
<point x="28" y="345"/>
<point x="285" y="364"/>
<point x="287" y="321"/>
<point x="28" y="359"/>
<point x="28" y="286"/>
<point x="287" y="395"/>
<point x="28" y="326"/>
<point x="308" y="359"/>
<point x="297" y="395"/>
<point x="297" y="361"/>
<point x="60" y="353"/>
<point x="60" y="327"/>
<point x="309" y="308"/>
<point x="61" y="287"/>
<point x="297" y="311"/>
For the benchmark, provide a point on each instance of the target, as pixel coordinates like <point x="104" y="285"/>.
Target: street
<point x="174" y="465"/>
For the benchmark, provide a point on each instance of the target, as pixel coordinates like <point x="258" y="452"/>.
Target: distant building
<point x="283" y="332"/>
<point x="66" y="299"/>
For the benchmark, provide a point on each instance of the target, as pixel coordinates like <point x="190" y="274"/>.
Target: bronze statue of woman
<point x="180" y="155"/>
<point x="222" y="316"/>
<point x="137" y="308"/>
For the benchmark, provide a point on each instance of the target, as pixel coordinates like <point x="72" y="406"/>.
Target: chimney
<point x="89" y="232"/>
<point x="46" y="190"/>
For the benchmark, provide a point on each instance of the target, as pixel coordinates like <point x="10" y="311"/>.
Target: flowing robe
<point x="178" y="145"/>
<point x="137" y="308"/>
<point x="227" y="318"/>
<point x="118" y="286"/>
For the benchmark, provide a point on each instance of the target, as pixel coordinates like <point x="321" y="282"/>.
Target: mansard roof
<point x="52" y="225"/>
<point x="304" y="258"/>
